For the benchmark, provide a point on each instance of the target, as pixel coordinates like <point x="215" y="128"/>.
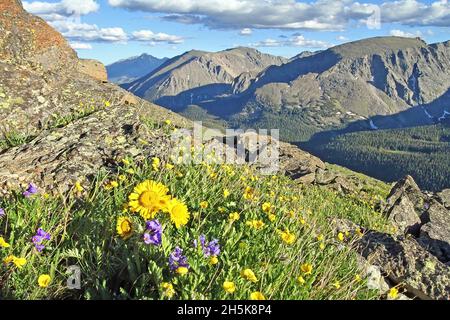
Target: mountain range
<point x="128" y="70"/>
<point x="366" y="85"/>
<point x="383" y="82"/>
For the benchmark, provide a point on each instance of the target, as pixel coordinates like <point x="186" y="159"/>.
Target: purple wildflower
<point x="40" y="236"/>
<point x="176" y="259"/>
<point x="211" y="248"/>
<point x="32" y="189"/>
<point x="153" y="233"/>
<point x="2" y="213"/>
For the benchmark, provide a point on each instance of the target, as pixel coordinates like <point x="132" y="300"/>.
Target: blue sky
<point x="109" y="30"/>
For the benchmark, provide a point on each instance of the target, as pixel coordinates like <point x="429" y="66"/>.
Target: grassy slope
<point x="83" y="228"/>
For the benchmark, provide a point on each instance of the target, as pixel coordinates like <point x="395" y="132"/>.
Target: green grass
<point x="13" y="139"/>
<point x="83" y="228"/>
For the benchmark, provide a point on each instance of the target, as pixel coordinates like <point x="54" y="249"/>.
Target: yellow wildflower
<point x="148" y="198"/>
<point x="226" y="193"/>
<point x="306" y="268"/>
<point x="256" y="224"/>
<point x="340" y="236"/>
<point x="107" y="103"/>
<point x="168" y="289"/>
<point x="267" y="207"/>
<point x="337" y="284"/>
<point x="124" y="227"/>
<point x="234" y="216"/>
<point x="301" y="280"/>
<point x="182" y="271"/>
<point x="169" y="166"/>
<point x="213" y="260"/>
<point x="288" y="237"/>
<point x="322" y="246"/>
<point x="44" y="280"/>
<point x="257" y="296"/>
<point x="78" y="187"/>
<point x="3" y="243"/>
<point x="272" y="217"/>
<point x="204" y="204"/>
<point x="249" y="193"/>
<point x="178" y="211"/>
<point x="168" y="122"/>
<point x="249" y="275"/>
<point x="229" y="287"/>
<point x="393" y="293"/>
<point x="155" y="163"/>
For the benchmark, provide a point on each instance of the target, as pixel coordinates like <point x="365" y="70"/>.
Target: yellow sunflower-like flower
<point x="178" y="211"/>
<point x="267" y="207"/>
<point x="44" y="280"/>
<point x="148" y="198"/>
<point x="124" y="227"/>
<point x="257" y="296"/>
<point x="229" y="287"/>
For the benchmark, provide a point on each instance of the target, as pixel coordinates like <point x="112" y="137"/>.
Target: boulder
<point x="435" y="231"/>
<point x="444" y="198"/>
<point x="409" y="188"/>
<point x="403" y="215"/>
<point x="405" y="262"/>
<point x="94" y="69"/>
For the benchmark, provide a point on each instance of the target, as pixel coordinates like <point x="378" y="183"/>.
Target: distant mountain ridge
<point x="198" y="75"/>
<point x="382" y="82"/>
<point x="130" y="69"/>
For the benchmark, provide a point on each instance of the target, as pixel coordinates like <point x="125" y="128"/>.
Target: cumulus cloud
<point x="152" y="38"/>
<point x="76" y="31"/>
<point x="80" y="46"/>
<point x="404" y="34"/>
<point x="246" y="32"/>
<point x="60" y="9"/>
<point x="294" y="41"/>
<point x="416" y="13"/>
<point x="290" y="14"/>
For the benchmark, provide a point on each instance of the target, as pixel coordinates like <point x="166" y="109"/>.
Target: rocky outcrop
<point x="406" y="263"/>
<point x="93" y="68"/>
<point x="29" y="40"/>
<point x="435" y="231"/>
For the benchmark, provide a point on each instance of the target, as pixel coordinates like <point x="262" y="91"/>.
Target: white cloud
<point x="81" y="46"/>
<point x="152" y="38"/>
<point x="416" y="13"/>
<point x="404" y="34"/>
<point x="295" y="41"/>
<point x="246" y="32"/>
<point x="63" y="8"/>
<point x="291" y="14"/>
<point x="77" y="31"/>
<point x="342" y="38"/>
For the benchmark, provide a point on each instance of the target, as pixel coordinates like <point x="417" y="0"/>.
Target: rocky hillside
<point x="131" y="69"/>
<point x="60" y="107"/>
<point x="197" y="76"/>
<point x="362" y="79"/>
<point x="75" y="149"/>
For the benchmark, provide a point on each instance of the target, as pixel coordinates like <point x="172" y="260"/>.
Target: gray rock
<point x="403" y="216"/>
<point x="435" y="231"/>
<point x="406" y="262"/>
